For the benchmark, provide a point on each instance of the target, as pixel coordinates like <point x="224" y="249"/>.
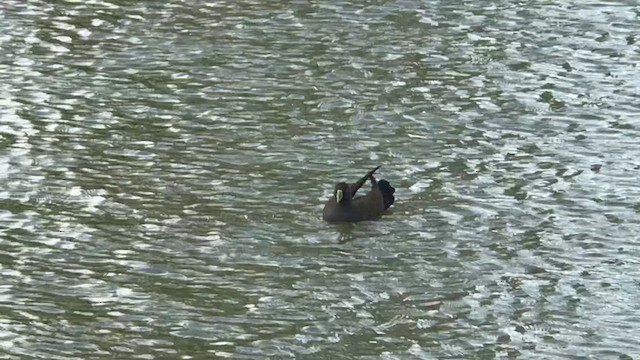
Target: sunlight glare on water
<point x="163" y="167"/>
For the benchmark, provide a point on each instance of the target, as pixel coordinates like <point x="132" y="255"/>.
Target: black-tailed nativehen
<point x="344" y="207"/>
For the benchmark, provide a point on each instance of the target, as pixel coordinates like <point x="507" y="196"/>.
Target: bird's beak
<point x="339" y="195"/>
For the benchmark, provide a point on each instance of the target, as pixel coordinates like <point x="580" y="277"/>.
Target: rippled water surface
<point x="163" y="167"/>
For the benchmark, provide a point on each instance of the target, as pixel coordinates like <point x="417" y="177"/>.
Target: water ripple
<point x="163" y="168"/>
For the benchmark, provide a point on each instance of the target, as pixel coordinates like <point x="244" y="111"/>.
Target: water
<point x="163" y="167"/>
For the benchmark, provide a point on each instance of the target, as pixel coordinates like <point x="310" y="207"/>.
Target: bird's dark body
<point x="344" y="207"/>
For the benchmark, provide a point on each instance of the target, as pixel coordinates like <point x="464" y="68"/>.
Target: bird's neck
<point x="345" y="203"/>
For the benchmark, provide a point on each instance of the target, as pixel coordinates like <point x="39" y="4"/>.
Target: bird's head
<point x="342" y="193"/>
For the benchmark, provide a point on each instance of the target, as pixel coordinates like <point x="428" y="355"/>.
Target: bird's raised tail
<point x="387" y="193"/>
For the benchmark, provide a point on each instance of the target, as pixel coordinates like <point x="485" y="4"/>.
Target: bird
<point x="344" y="207"/>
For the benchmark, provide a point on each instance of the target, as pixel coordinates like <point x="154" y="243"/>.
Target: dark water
<point x="163" y="167"/>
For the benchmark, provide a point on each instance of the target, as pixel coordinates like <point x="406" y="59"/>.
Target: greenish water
<point x="163" y="167"/>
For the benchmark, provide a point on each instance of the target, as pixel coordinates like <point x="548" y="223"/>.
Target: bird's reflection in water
<point x="345" y="232"/>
